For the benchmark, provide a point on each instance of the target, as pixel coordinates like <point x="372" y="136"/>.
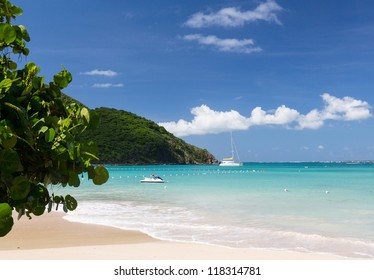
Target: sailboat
<point x="230" y="161"/>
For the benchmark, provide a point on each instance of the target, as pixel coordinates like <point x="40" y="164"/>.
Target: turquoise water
<point x="309" y="207"/>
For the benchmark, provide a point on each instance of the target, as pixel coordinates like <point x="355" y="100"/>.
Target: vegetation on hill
<point x="125" y="138"/>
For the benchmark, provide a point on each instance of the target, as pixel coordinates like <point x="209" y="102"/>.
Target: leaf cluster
<point x="40" y="141"/>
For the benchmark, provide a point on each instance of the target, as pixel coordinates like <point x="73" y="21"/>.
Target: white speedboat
<point x="153" y="179"/>
<point x="230" y="161"/>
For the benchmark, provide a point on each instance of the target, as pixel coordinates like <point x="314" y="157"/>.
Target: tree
<point x="40" y="132"/>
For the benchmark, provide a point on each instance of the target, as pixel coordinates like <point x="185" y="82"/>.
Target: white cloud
<point x="282" y="116"/>
<point x="206" y="120"/>
<point x="312" y="120"/>
<point x="232" y="17"/>
<point x="96" y="72"/>
<point x="347" y="108"/>
<point x="225" y="45"/>
<point x="321" y="147"/>
<point x="108" y="85"/>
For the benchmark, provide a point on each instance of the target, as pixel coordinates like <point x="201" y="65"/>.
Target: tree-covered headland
<point x="126" y="138"/>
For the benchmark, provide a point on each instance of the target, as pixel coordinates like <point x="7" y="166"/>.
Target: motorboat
<point x="153" y="179"/>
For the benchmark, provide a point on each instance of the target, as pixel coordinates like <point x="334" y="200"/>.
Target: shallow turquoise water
<point x="310" y="207"/>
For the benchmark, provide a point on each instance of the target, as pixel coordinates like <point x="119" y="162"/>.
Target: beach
<point x="51" y="237"/>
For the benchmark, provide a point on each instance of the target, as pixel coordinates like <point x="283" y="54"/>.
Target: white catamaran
<point x="230" y="161"/>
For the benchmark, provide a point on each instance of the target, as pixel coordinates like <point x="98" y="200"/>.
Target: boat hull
<point x="152" y="181"/>
<point x="227" y="163"/>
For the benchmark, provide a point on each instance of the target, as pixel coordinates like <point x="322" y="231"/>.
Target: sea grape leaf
<point x="10" y="142"/>
<point x="62" y="79"/>
<point x="50" y="135"/>
<point x="101" y="175"/>
<point x="25" y="34"/>
<point x="9" y="161"/>
<point x="74" y="179"/>
<point x="71" y="150"/>
<point x="71" y="203"/>
<point x="20" y="188"/>
<point x="6" y="219"/>
<point x="38" y="210"/>
<point x="5" y="85"/>
<point x="85" y="114"/>
<point x="8" y="34"/>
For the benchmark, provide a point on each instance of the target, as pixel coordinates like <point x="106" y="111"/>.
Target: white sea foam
<point x="176" y="223"/>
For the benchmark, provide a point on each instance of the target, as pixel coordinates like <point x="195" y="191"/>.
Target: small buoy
<point x="285" y="190"/>
<point x="327" y="192"/>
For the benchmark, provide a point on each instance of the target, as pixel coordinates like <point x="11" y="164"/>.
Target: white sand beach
<point x="54" y="238"/>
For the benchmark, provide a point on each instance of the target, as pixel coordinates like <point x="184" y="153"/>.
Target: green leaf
<point x="7" y="33"/>
<point x="71" y="203"/>
<point x="85" y="114"/>
<point x="9" y="143"/>
<point x="5" y="210"/>
<point x="74" y="179"/>
<point x="101" y="175"/>
<point x="6" y="219"/>
<point x="38" y="210"/>
<point x="9" y="161"/>
<point x="62" y="79"/>
<point x="20" y="188"/>
<point x="25" y="34"/>
<point x="94" y="120"/>
<point x="91" y="172"/>
<point x="71" y="150"/>
<point x="5" y="85"/>
<point x="12" y="65"/>
<point x="16" y="11"/>
<point x="32" y="68"/>
<point x="50" y="135"/>
<point x="57" y="199"/>
<point x="43" y="129"/>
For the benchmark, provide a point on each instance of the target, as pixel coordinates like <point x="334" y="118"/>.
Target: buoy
<point x="285" y="190"/>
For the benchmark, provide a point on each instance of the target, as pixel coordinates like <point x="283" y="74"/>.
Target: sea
<point x="312" y="207"/>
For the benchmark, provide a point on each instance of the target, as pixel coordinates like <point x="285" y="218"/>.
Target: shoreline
<point x="52" y="237"/>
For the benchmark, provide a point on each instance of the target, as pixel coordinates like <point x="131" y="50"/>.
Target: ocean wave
<point x="176" y="223"/>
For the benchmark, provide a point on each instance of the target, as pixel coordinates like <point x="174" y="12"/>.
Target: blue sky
<point x="293" y="80"/>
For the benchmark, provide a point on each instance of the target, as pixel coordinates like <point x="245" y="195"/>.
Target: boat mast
<point x="233" y="147"/>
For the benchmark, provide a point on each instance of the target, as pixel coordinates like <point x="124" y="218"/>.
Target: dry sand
<point x="52" y="237"/>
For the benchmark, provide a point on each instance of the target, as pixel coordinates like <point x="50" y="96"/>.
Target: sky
<point x="292" y="80"/>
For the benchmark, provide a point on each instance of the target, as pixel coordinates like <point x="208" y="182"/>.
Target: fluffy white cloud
<point x="312" y="120"/>
<point x="282" y="116"/>
<point x="225" y="45"/>
<point x="232" y="17"/>
<point x="206" y="120"/>
<point x="347" y="108"/>
<point x="96" y="72"/>
<point x="108" y="85"/>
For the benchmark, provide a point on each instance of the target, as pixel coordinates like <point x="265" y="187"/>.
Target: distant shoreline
<point x="246" y="162"/>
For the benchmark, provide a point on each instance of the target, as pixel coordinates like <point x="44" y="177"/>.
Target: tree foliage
<point x="40" y="141"/>
<point x="126" y="138"/>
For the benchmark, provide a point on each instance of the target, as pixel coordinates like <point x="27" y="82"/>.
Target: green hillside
<point x="125" y="138"/>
